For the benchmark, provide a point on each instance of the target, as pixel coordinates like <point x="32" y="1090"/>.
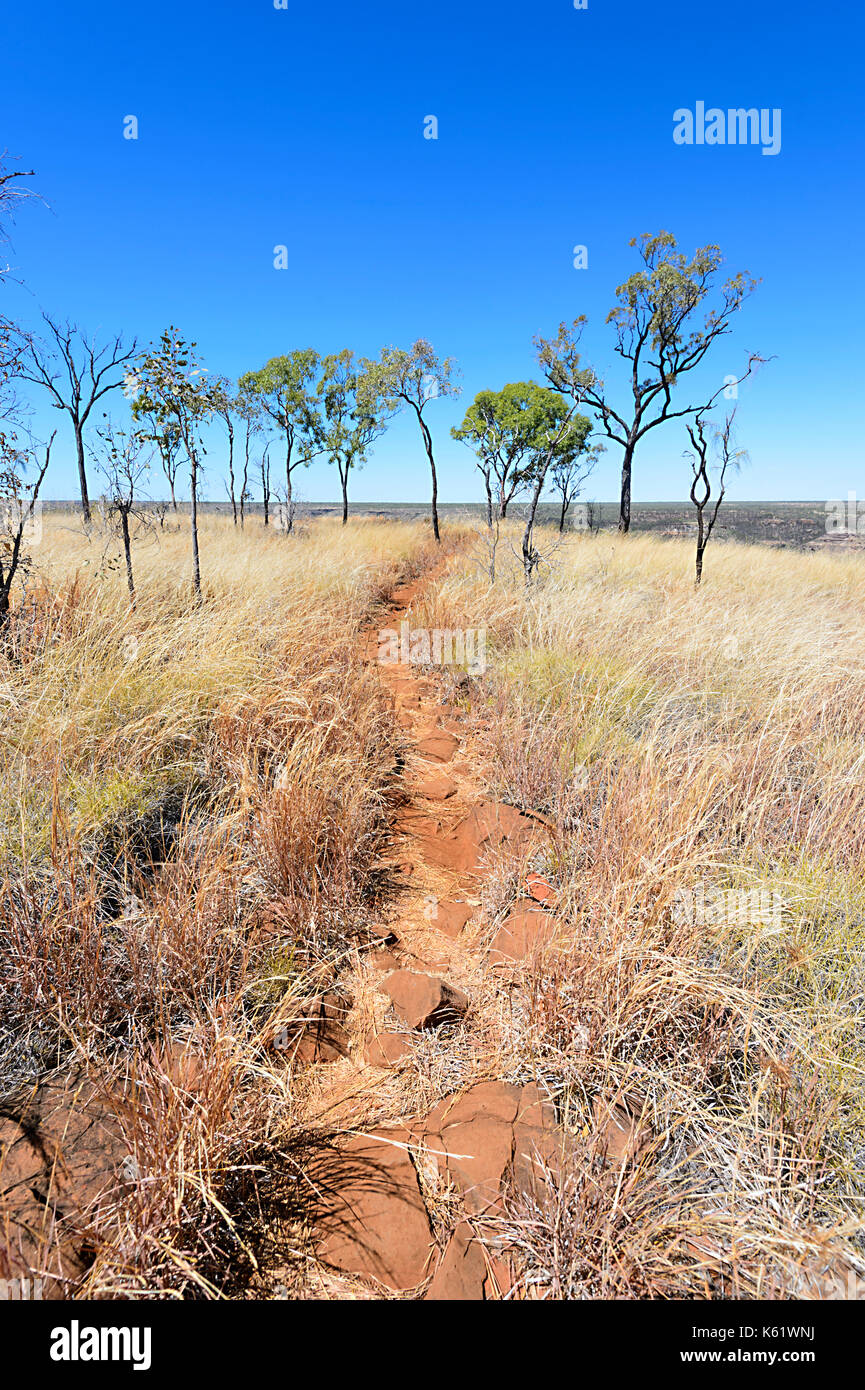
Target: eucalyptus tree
<point x="661" y="338"/>
<point x="170" y="385"/>
<point x="77" y="374"/>
<point x="284" y="389"/>
<point x="509" y="432"/>
<point x="411" y="379"/>
<point x="353" y="414"/>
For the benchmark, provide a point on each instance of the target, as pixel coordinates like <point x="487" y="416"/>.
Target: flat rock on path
<point x="493" y="1132"/>
<point x="423" y="1001"/>
<point x="437" y="745"/>
<point x="448" y="917"/>
<point x="437" y="787"/>
<point x="487" y="827"/>
<point x="375" y="1222"/>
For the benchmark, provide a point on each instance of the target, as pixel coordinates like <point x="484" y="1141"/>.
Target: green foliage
<point x="169" y="387"/>
<point x="283" y="391"/>
<point x="518" y="430"/>
<point x="355" y="411"/>
<point x="412" y="377"/>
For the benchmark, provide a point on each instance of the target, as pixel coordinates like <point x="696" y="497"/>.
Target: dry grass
<point x="688" y="742"/>
<point x="192" y="799"/>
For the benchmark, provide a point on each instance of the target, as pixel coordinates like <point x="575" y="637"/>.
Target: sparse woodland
<point x="265" y="902"/>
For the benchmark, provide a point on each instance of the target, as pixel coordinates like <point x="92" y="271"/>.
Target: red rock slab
<point x="423" y="1001"/>
<point x="437" y="745"/>
<point x="374" y="1223"/>
<point x="383" y="960"/>
<point x="448" y="917"/>
<point x="537" y="1142"/>
<point x="524" y="930"/>
<point x="437" y="787"/>
<point x="473" y="1138"/>
<point x="387" y="1049"/>
<point x="488" y="827"/>
<point x="413" y="822"/>
<point x="60" y="1153"/>
<point x="490" y="1133"/>
<point x="468" y="1272"/>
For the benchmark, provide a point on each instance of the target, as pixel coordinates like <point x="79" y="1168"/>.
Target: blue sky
<point x="304" y="127"/>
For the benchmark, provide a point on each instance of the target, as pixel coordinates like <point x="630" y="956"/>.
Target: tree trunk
<point x="82" y="472"/>
<point x="288" y="518"/>
<point x="564" y="512"/>
<point x="427" y="439"/>
<point x="528" y="535"/>
<point x="343" y="477"/>
<point x="127" y="551"/>
<point x="196" y="566"/>
<point x="231" y="470"/>
<point x="489" y="502"/>
<point x="701" y="547"/>
<point x="288" y="515"/>
<point x="625" y="500"/>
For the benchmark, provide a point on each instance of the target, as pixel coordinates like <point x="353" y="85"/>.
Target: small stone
<point x="423" y="1001"/>
<point x="437" y="745"/>
<point x="624" y="1138"/>
<point x="540" y="889"/>
<point x="437" y="787"/>
<point x="448" y="917"/>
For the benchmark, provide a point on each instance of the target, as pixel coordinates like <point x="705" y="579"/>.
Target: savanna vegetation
<point x="201" y="772"/>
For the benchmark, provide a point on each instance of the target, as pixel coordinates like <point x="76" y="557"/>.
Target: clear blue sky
<point x="304" y="127"/>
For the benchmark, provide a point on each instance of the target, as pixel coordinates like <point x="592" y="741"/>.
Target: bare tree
<point x="568" y="474"/>
<point x="17" y="514"/>
<point x="264" y="468"/>
<point x="248" y="408"/>
<point x="76" y="374"/>
<point x="224" y="406"/>
<point x="701" y="486"/>
<point x="124" y="464"/>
